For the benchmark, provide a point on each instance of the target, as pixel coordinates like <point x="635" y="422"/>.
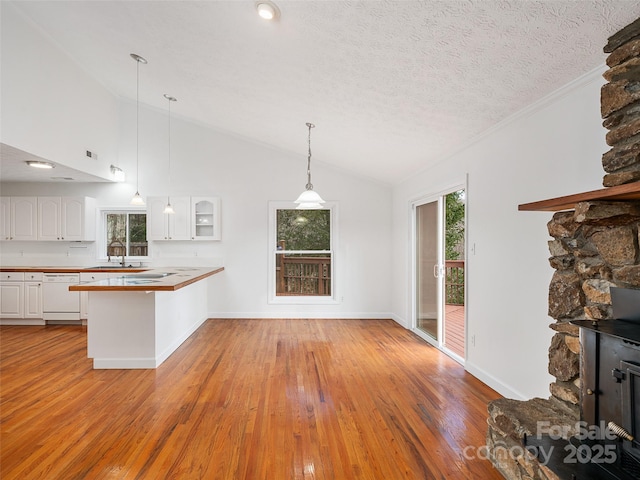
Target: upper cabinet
<point x="66" y="219"/>
<point x="47" y="218"/>
<point x="195" y="218"/>
<point x="163" y="226"/>
<point x="205" y="213"/>
<point x="18" y="218"/>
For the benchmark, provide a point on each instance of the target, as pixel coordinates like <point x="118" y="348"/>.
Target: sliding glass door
<point x="439" y="265"/>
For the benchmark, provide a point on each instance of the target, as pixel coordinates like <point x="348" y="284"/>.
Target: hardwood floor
<point x="243" y="399"/>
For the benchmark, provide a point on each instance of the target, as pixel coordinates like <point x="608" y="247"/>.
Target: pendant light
<point x="169" y="209"/>
<point x="309" y="200"/>
<point x="137" y="198"/>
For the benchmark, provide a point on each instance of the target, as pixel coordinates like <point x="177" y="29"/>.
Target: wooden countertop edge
<point x="143" y="288"/>
<point x="73" y="269"/>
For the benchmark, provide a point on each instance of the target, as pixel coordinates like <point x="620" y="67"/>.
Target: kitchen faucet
<point x="115" y="241"/>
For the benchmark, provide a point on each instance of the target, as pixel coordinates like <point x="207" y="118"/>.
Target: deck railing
<point x="454" y="282"/>
<point x="303" y="275"/>
<point x="136" y="249"/>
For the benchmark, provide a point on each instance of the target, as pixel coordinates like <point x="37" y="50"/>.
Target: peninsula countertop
<point x="151" y="279"/>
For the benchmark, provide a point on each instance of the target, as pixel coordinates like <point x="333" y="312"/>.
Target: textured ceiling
<point x="392" y="86"/>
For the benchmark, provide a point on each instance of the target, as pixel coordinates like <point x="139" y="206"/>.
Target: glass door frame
<point x="438" y="342"/>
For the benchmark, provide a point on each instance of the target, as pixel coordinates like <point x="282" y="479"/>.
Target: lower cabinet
<point x="33" y="300"/>
<point x="11" y="299"/>
<point x="21" y="298"/>
<point x="84" y="296"/>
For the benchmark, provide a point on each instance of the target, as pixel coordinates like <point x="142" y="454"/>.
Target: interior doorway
<point x="439" y="265"/>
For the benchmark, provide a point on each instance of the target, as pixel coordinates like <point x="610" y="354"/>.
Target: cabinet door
<point x="11" y="299"/>
<point x="32" y="299"/>
<point x="205" y="218"/>
<point x="24" y="218"/>
<point x="180" y="222"/>
<point x="5" y="218"/>
<point x="157" y="226"/>
<point x="72" y="227"/>
<point x="84" y="296"/>
<point x="49" y="218"/>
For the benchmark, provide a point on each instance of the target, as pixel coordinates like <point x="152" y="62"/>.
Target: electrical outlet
<point x="473" y="340"/>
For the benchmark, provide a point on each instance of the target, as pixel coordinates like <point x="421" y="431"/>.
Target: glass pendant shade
<point x="309" y="200"/>
<point x="168" y="209"/>
<point x="137" y="200"/>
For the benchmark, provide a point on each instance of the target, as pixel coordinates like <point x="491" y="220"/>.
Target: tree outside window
<point x="303" y="256"/>
<point x="126" y="234"/>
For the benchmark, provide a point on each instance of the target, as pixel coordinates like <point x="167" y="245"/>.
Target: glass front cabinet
<point x="205" y="220"/>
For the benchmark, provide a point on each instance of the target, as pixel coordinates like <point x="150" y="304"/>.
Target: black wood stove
<point x="607" y="445"/>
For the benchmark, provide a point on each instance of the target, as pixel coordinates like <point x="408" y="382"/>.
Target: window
<point x="302" y="257"/>
<point x="124" y="233"/>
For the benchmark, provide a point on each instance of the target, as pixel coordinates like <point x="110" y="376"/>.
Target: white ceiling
<point x="392" y="86"/>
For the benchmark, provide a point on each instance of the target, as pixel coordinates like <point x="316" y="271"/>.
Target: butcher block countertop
<point x="153" y="279"/>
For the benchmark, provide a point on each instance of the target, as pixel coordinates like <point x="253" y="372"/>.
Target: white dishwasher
<point x="59" y="305"/>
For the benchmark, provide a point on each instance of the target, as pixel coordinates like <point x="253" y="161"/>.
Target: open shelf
<point x="629" y="191"/>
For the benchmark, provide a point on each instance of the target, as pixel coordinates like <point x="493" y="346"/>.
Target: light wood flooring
<point x="243" y="399"/>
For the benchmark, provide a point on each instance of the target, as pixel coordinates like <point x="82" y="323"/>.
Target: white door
<point x="5" y="218"/>
<point x="11" y="299"/>
<point x="72" y="219"/>
<point x="439" y="266"/>
<point x="24" y="218"/>
<point x="49" y="218"/>
<point x="32" y="299"/>
<point x="180" y="221"/>
<point x="157" y="222"/>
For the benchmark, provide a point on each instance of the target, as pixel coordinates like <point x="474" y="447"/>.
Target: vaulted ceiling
<point x="392" y="86"/>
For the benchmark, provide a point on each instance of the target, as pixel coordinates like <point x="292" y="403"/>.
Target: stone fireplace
<point x="595" y="246"/>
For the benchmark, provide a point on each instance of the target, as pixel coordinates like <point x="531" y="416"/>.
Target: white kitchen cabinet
<point x="66" y="218"/>
<point x="163" y="226"/>
<point x="33" y="296"/>
<point x="19" y="218"/>
<point x="12" y="295"/>
<point x="205" y="218"/>
<point x="84" y="296"/>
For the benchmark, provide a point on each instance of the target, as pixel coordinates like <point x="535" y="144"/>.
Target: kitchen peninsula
<point x="137" y="320"/>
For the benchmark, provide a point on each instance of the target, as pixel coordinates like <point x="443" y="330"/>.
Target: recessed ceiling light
<point x="267" y="10"/>
<point x="37" y="164"/>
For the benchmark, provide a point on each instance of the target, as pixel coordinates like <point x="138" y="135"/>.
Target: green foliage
<point x="454" y="225"/>
<point x="304" y="229"/>
<point x="138" y="227"/>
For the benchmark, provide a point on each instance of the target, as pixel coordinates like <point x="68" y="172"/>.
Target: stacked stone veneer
<point x="594" y="247"/>
<point x="620" y="107"/>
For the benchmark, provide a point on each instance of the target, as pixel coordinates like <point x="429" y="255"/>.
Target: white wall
<point x="50" y="107"/>
<point x="553" y="148"/>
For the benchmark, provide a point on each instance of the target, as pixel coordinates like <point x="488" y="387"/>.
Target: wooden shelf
<point x="629" y="191"/>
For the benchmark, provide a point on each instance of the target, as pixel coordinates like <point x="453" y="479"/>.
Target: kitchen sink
<point x="113" y="267"/>
<point x="147" y="275"/>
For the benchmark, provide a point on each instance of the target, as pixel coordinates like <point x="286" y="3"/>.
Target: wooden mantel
<point x="629" y="191"/>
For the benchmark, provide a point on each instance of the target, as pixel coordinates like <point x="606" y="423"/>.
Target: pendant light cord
<point x="309" y="185"/>
<point x="169" y="99"/>
<point x="137" y="125"/>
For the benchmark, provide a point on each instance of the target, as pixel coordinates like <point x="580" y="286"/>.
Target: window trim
<point x="274" y="299"/>
<point x="101" y="244"/>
